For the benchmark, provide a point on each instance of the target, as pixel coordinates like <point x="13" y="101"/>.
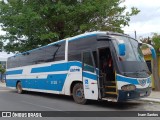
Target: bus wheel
<point x="19" y="88"/>
<point x="78" y="94"/>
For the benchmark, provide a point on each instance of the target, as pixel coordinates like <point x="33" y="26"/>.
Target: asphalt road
<point x="32" y="101"/>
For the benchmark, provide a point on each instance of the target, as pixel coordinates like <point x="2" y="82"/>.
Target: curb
<point x="2" y="85"/>
<point x="151" y="99"/>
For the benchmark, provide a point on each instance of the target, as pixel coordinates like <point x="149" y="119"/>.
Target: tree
<point x="33" y="23"/>
<point x="156" y="44"/>
<point x="2" y="71"/>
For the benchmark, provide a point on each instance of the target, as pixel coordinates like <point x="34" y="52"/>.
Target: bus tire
<point x="19" y="88"/>
<point x="78" y="94"/>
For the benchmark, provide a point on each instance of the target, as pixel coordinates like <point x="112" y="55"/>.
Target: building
<point x="148" y="57"/>
<point x="3" y="58"/>
<point x="3" y="62"/>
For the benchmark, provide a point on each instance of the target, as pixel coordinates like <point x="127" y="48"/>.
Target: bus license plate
<point x="142" y="94"/>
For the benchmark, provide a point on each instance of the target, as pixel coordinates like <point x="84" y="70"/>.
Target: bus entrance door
<point x="89" y="76"/>
<point x="107" y="75"/>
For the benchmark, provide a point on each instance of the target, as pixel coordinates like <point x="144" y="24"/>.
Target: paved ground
<point x="31" y="101"/>
<point x="154" y="97"/>
<point x="155" y="94"/>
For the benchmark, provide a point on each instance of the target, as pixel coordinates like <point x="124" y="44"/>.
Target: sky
<point x="4" y="55"/>
<point x="145" y="23"/>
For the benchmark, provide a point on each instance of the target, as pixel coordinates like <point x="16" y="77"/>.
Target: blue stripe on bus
<point x="149" y="80"/>
<point x="14" y="72"/>
<point x="52" y="68"/>
<point x="74" y="63"/>
<point x="56" y="67"/>
<point x="11" y="82"/>
<point x="52" y="82"/>
<point x="126" y="79"/>
<point x="90" y="76"/>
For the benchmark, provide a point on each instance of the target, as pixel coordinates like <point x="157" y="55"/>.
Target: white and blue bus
<point x="91" y="66"/>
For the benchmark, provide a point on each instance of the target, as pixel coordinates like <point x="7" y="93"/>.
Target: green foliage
<point x="2" y="70"/>
<point x="156" y="42"/>
<point x="146" y="40"/>
<point x="33" y="23"/>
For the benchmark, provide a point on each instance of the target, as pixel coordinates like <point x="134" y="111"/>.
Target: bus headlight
<point x="128" y="87"/>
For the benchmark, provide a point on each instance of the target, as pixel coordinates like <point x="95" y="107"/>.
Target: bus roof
<point x="85" y="35"/>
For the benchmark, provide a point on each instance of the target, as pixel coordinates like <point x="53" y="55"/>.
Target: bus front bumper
<point x="136" y="94"/>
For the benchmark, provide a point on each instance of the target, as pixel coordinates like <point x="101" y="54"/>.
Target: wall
<point x="149" y="57"/>
<point x="159" y="65"/>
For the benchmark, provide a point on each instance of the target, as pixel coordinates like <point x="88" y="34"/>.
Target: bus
<point x="92" y="66"/>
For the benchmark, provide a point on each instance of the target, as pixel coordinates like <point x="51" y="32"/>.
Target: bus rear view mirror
<point x="153" y="52"/>
<point x="122" y="49"/>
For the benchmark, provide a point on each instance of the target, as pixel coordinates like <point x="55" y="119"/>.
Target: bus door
<point x="90" y="83"/>
<point x="107" y="83"/>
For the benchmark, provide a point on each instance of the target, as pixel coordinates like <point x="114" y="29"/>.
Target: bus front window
<point x="132" y="64"/>
<point x="133" y="52"/>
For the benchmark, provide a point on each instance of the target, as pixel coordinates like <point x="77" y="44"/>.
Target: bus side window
<point x="88" y="64"/>
<point x="95" y="58"/>
<point x="55" y="52"/>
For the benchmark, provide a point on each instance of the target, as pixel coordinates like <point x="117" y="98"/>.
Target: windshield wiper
<point x="146" y="71"/>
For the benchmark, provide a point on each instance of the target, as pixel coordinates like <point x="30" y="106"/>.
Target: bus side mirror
<point x="152" y="50"/>
<point x="122" y="49"/>
<point x="153" y="53"/>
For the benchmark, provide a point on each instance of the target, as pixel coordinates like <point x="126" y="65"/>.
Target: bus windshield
<point x="132" y="64"/>
<point x="133" y="51"/>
